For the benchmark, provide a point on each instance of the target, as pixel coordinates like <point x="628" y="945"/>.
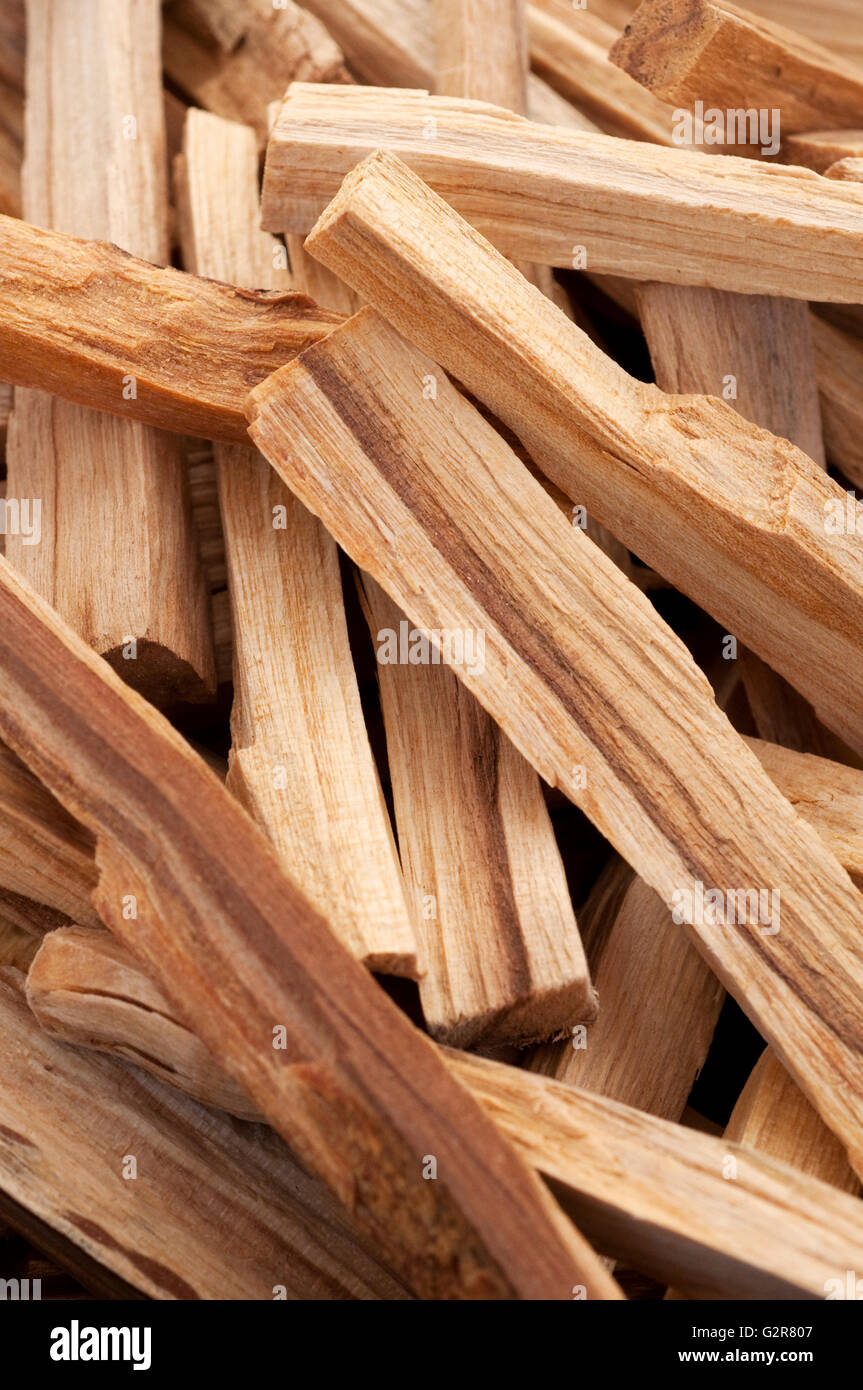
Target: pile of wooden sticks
<point x="431" y="648"/>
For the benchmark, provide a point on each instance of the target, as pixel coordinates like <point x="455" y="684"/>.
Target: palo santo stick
<point x="17" y="946"/>
<point x="839" y="360"/>
<point x="84" y="987"/>
<point x="645" y="968"/>
<point x="481" y="547"/>
<point x="118" y="554"/>
<point x="216" y="1210"/>
<point x="820" y="149"/>
<point x="833" y="23"/>
<point x="773" y="1116"/>
<point x="279" y="44"/>
<point x="569" y="48"/>
<point x="44" y="854"/>
<point x="301" y="762"/>
<point x="710" y="51"/>
<point x="545" y="194"/>
<point x="222" y="21"/>
<point x="656" y="1194"/>
<point x="715" y="505"/>
<point x="332" y="1063"/>
<point x="78" y="317"/>
<point x="503" y="957"/>
<point x="826" y="794"/>
<point x="481" y="51"/>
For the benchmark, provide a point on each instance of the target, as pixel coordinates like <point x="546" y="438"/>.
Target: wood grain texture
<point x="503" y="957"/>
<point x="715" y="505"/>
<point x="45" y="855"/>
<point x="117" y="554"/>
<point x="356" y="1091"/>
<point x="659" y="1005"/>
<point x="819" y="149"/>
<point x="541" y="192"/>
<point x="85" y="988"/>
<point x="481" y="51"/>
<point x="300" y="759"/>
<point x="656" y="1194"/>
<point x="78" y="318"/>
<point x="839" y="361"/>
<point x="277" y="45"/>
<point x="707" y="50"/>
<point x="11" y="149"/>
<point x="827" y="794"/>
<point x="216" y="1210"/>
<point x="664" y="777"/>
<point x="570" y="48"/>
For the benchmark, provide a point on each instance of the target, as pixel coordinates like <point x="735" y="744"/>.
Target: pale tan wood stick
<point x="84" y="987"/>
<point x="503" y="957"/>
<point x="709" y="501"/>
<point x="301" y="762"/>
<point x="645" y="969"/>
<point x="78" y="318"/>
<point x="783" y="717"/>
<point x="557" y="196"/>
<point x="211" y="1209"/>
<point x="221" y="21"/>
<point x="834" y="23"/>
<point x="656" y="1194"/>
<point x="359" y="1094"/>
<point x="481" y="51"/>
<point x="45" y="855"/>
<point x="728" y="58"/>
<point x="839" y="360"/>
<point x="684" y="1221"/>
<point x="819" y="149"/>
<point x="117" y="554"/>
<point x="850" y="168"/>
<point x="391" y="43"/>
<point x="773" y="1116"/>
<point x="827" y="794"/>
<point x="649" y="758"/>
<point x="570" y="48"/>
<point x="278" y="45"/>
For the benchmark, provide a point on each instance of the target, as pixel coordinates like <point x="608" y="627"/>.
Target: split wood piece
<point x="730" y="515"/>
<point x="207" y="519"/>
<point x="834" y="23"/>
<point x="550" y="195"/>
<point x="826" y="794"/>
<point x="481" y="51"/>
<point x="503" y="957"/>
<point x="391" y="43"/>
<point x="301" y="762"/>
<point x="821" y="149"/>
<point x="216" y="1211"/>
<point x="659" y="1006"/>
<point x="85" y="988"/>
<point x="839" y="360"/>
<point x="554" y="1123"/>
<point x="728" y="58"/>
<point x="17" y="946"/>
<point x="429" y="500"/>
<point x="279" y="45"/>
<point x="223" y="636"/>
<point x="781" y="716"/>
<point x="222" y="21"/>
<point x="11" y="149"/>
<point x="570" y="48"/>
<point x="358" y="1093"/>
<point x="33" y="918"/>
<point x="773" y="1116"/>
<point x="79" y="317"/>
<point x="118" y="554"/>
<point x="757" y="352"/>
<point x="848" y="168"/>
<point x="45" y="855"/>
<point x="655" y="1194"/>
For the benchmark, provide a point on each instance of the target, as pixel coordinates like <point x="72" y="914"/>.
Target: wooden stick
<point x="180" y="1201"/>
<point x="78" y="321"/>
<point x="84" y="987"/>
<point x="555" y="685"/>
<point x="834" y="23"/>
<point x="11" y="149"/>
<point x="17" y="946"/>
<point x="710" y="51"/>
<point x="481" y="51"/>
<point x="665" y="474"/>
<point x="824" y="793"/>
<point x="278" y="45"/>
<point x="136" y="592"/>
<point x="332" y="1063"/>
<point x="44" y="854"/>
<point x="296" y="694"/>
<point x="839" y="360"/>
<point x="773" y="1116"/>
<point x="645" y="969"/>
<point x="558" y="196"/>
<point x="504" y="961"/>
<point x="569" y="48"/>
<point x="657" y="1195"/>
<point x="608" y="1162"/>
<point x="819" y="149"/>
<point x="220" y="21"/>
